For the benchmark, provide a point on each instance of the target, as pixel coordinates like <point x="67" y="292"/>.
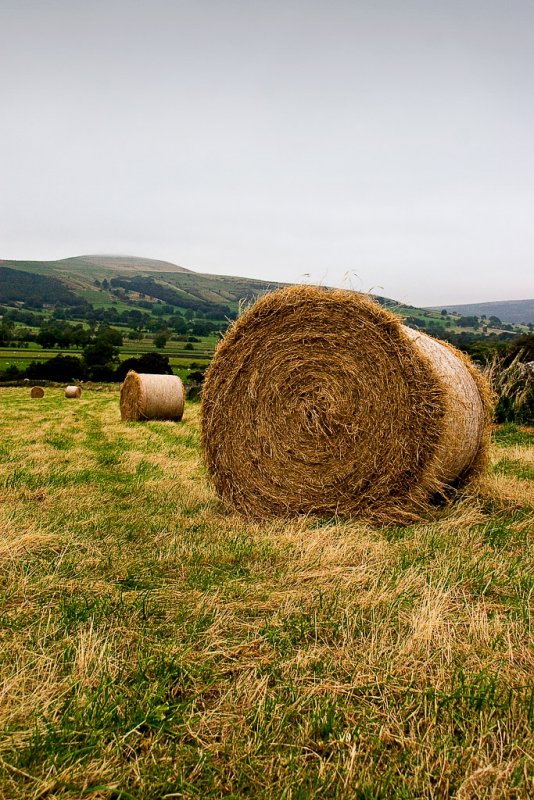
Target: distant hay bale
<point x="37" y="391"/>
<point x="73" y="392"/>
<point x="146" y="396"/>
<point x="322" y="402"/>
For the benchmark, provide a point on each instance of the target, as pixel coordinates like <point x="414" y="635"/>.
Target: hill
<point x="117" y="289"/>
<point x="517" y="311"/>
<point x="102" y="280"/>
<point x="18" y="285"/>
<point x="105" y="280"/>
<point x="128" y="263"/>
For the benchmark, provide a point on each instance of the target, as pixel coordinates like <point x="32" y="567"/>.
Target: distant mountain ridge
<point x="99" y="279"/>
<point x="517" y="311"/>
<point x="129" y="262"/>
<point x="95" y="278"/>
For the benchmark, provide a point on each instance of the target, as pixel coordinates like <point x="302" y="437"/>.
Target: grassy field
<point x="153" y="645"/>
<point x="179" y="357"/>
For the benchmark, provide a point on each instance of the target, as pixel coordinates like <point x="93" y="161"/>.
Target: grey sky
<point x="378" y="145"/>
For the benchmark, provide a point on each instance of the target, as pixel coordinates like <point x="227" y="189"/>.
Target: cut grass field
<point x="155" y="645"/>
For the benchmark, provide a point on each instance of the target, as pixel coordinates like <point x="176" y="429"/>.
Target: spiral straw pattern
<point x="320" y="402"/>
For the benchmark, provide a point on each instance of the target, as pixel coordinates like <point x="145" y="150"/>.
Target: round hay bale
<point x="73" y="392"/>
<point x="146" y="396"/>
<point x="37" y="391"/>
<point x="322" y="402"/>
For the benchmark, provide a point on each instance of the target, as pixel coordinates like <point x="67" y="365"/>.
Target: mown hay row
<point x="151" y="397"/>
<point x="322" y="402"/>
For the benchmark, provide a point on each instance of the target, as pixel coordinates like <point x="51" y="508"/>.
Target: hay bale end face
<point x="73" y="392"/>
<point x="37" y="391"/>
<point x="146" y="396"/>
<point x="322" y="402"/>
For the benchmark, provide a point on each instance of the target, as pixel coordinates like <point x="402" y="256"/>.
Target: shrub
<point x="151" y="363"/>
<point x="513" y="384"/>
<point x="60" y="368"/>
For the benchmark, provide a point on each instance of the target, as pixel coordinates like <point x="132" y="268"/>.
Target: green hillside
<point x="102" y="280"/>
<point x="130" y="281"/>
<point x="20" y="286"/>
<point x="518" y="311"/>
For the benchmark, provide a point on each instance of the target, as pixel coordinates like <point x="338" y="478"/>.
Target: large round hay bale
<point x="37" y="391"/>
<point x="146" y="396"/>
<point x="322" y="402"/>
<point x="73" y="392"/>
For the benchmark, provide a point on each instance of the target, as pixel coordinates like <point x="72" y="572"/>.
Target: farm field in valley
<point x="155" y="645"/>
<point x="179" y="354"/>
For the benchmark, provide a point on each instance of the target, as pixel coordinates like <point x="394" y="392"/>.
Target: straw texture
<point x="73" y="392"/>
<point x="146" y="396"/>
<point x="37" y="391"/>
<point x="322" y="402"/>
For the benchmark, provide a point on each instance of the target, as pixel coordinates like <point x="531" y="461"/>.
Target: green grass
<point x="22" y="357"/>
<point x="509" y="466"/>
<point x="511" y="434"/>
<point x="155" y="645"/>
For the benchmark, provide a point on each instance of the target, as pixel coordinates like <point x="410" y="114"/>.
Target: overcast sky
<point x="384" y="145"/>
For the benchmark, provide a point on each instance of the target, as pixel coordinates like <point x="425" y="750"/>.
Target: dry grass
<point x="155" y="646"/>
<point x="513" y="384"/>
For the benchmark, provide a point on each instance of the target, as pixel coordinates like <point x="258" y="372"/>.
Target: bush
<point x="102" y="373"/>
<point x="151" y="363"/>
<point x="11" y="373"/>
<point x="160" y="340"/>
<point x="59" y="368"/>
<point x="513" y="384"/>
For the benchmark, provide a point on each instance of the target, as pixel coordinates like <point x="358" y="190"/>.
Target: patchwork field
<point x="180" y="355"/>
<point x="153" y="645"/>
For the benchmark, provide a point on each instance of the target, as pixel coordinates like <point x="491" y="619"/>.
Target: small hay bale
<point x="73" y="392"/>
<point x="322" y="402"/>
<point x="37" y="391"/>
<point x="146" y="396"/>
